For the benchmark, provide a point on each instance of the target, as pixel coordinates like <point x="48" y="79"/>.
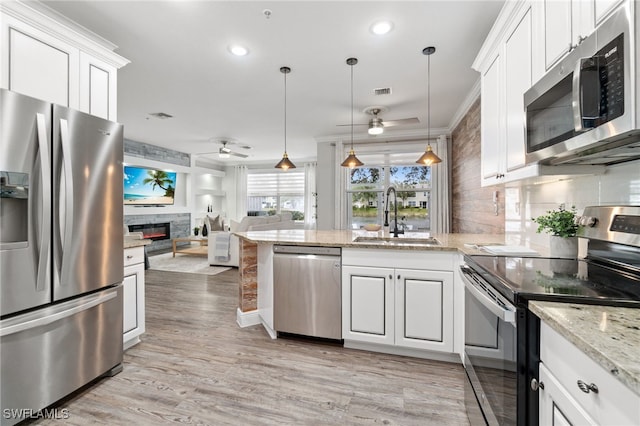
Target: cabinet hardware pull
<point x="587" y="388"/>
<point x="535" y="384"/>
<point x="398" y="276"/>
<point x="390" y="276"/>
<point x="129" y="256"/>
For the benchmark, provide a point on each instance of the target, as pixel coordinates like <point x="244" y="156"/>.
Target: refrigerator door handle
<point x="39" y="322"/>
<point x="45" y="242"/>
<point x="66" y="209"/>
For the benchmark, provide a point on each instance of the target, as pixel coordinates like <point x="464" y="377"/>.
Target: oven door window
<point x="490" y="347"/>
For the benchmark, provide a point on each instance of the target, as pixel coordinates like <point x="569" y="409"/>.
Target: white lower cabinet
<point x="133" y="321"/>
<point x="408" y="308"/>
<point x="575" y="390"/>
<point x="557" y="407"/>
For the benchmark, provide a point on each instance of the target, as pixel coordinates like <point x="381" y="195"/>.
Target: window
<point x="367" y="188"/>
<point x="270" y="193"/>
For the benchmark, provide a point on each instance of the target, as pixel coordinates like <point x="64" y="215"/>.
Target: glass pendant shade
<point x="352" y="161"/>
<point x="285" y="163"/>
<point x="429" y="157"/>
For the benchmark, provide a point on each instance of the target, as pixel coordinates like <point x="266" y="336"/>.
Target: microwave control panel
<point x="611" y="76"/>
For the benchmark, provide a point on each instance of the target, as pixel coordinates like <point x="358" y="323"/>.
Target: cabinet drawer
<point x="133" y="255"/>
<point x="614" y="403"/>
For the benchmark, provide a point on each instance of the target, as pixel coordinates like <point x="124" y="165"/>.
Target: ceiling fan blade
<point x="400" y="122"/>
<point x="355" y="124"/>
<point x="237" y="154"/>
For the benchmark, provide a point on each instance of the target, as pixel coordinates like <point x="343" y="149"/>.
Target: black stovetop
<point x="521" y="279"/>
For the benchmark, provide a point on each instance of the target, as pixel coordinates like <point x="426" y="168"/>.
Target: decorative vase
<point x="196" y="231"/>
<point x="204" y="230"/>
<point x="565" y="248"/>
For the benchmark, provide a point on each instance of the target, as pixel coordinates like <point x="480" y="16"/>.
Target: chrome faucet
<point x="395" y="211"/>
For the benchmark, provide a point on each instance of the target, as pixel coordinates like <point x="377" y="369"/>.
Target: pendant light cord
<point x="352" y="107"/>
<point x="285" y="112"/>
<point x="429" y="99"/>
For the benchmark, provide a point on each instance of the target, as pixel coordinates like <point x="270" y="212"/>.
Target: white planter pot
<point x="566" y="248"/>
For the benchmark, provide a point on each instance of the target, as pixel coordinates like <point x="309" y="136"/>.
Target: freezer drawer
<point x="49" y="353"/>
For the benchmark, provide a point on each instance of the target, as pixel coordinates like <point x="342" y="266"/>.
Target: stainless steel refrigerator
<point x="61" y="252"/>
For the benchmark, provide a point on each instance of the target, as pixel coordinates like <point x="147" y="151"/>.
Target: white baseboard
<point x="247" y="319"/>
<point x="395" y="350"/>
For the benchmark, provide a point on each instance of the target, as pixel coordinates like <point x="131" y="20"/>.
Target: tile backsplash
<point x="619" y="185"/>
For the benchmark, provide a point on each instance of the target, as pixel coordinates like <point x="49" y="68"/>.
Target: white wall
<point x="620" y="185"/>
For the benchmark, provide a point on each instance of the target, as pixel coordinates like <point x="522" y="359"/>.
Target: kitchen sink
<point x="400" y="241"/>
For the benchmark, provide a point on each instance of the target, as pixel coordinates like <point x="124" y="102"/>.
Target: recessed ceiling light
<point x="238" y="50"/>
<point x="381" y="27"/>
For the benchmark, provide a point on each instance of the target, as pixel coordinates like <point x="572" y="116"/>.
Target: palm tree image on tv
<point x="161" y="179"/>
<point x="148" y="186"/>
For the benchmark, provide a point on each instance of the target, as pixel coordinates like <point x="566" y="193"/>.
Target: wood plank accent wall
<point x="248" y="276"/>
<point x="472" y="205"/>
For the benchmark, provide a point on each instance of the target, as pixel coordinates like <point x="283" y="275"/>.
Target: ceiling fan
<point x="225" y="152"/>
<point x="377" y="124"/>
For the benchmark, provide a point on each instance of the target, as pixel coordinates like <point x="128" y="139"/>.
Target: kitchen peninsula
<point x="394" y="286"/>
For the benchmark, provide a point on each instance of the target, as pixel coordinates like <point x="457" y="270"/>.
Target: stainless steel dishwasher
<point x="307" y="297"/>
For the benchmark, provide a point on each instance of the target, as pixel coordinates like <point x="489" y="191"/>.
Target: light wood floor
<point x="196" y="366"/>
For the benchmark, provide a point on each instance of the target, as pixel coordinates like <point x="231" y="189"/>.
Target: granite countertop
<point x="464" y="243"/>
<point x="134" y="242"/>
<point x="608" y="335"/>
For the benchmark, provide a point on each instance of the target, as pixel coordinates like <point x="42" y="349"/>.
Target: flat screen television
<point x="146" y="186"/>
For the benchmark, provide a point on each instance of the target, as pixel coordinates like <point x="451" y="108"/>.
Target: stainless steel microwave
<point x="585" y="109"/>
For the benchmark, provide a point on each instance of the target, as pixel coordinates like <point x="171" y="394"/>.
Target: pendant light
<point x="352" y="161"/>
<point x="285" y="164"/>
<point x="429" y="157"/>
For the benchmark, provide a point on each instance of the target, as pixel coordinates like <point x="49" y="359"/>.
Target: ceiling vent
<point x="382" y="91"/>
<point x="161" y="115"/>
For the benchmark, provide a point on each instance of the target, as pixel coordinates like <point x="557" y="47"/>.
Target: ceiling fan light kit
<point x="375" y="127"/>
<point x="429" y="157"/>
<point x="285" y="164"/>
<point x="352" y="161"/>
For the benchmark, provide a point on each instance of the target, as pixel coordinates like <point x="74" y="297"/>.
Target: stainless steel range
<point x="502" y="337"/>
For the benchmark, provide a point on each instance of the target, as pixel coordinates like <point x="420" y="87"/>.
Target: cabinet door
<point x="424" y="309"/>
<point x="38" y="65"/>
<point x="492" y="139"/>
<point x="557" y="407"/>
<point x="97" y="88"/>
<point x="130" y="300"/>
<point x="367" y="304"/>
<point x="557" y="30"/>
<point x="133" y="304"/>
<point x="517" y="57"/>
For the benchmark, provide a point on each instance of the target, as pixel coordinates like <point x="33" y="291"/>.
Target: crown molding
<point x="53" y="23"/>
<point x="464" y="107"/>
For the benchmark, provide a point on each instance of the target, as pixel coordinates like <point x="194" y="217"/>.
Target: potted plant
<point x="563" y="227"/>
<point x="196" y="230"/>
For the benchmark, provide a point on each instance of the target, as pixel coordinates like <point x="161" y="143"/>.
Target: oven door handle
<point x="506" y="315"/>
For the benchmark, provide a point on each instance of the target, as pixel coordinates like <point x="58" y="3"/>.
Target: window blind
<point x="289" y="183"/>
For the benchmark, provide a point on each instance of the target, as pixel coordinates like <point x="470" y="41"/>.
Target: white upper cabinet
<point x="46" y="56"/>
<point x="492" y="138"/>
<point x="505" y="69"/>
<point x="564" y="24"/>
<point x="528" y="38"/>
<point x="98" y="94"/>
<point x="517" y="58"/>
